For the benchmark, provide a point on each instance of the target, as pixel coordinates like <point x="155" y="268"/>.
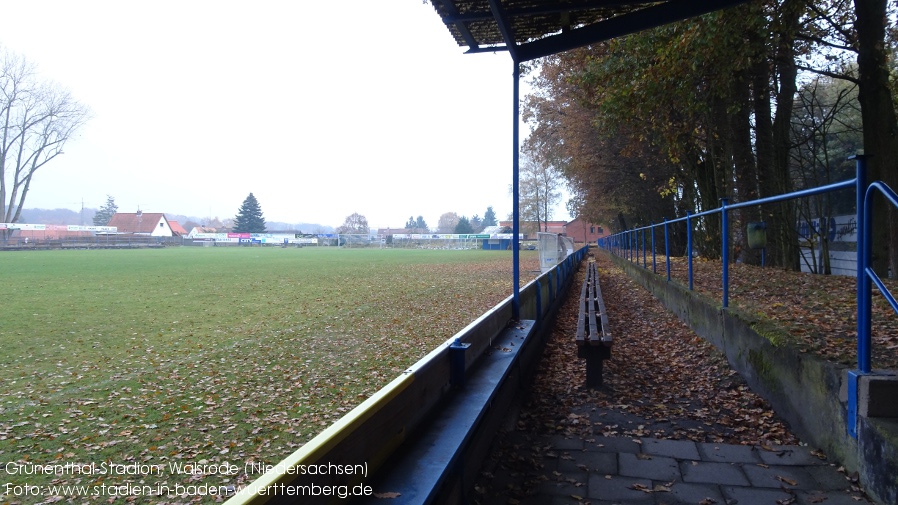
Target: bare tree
<point x="539" y="191"/>
<point x="447" y="223"/>
<point x="37" y="118"/>
<point x="354" y="223"/>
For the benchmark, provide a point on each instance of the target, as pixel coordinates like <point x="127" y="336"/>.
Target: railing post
<point x="644" y="265"/>
<point x="725" y="251"/>
<point x="539" y="301"/>
<point x="863" y="297"/>
<point x="654" y="266"/>
<point x="667" y="248"/>
<point x="864" y="287"/>
<point x="629" y="245"/>
<point x="689" y="246"/>
<point x="457" y="363"/>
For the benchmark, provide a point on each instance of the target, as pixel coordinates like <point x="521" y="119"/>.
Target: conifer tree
<point x="489" y="217"/>
<point x="102" y="217"/>
<point x="249" y="217"/>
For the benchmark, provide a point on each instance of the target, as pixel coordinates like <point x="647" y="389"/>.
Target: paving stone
<point x="828" y="478"/>
<point x="829" y="498"/>
<point x="754" y="496"/>
<point x="683" y="492"/>
<point x="789" y="455"/>
<point x="613" y="444"/>
<point x="656" y="468"/>
<point x="707" y="472"/>
<point x="780" y="476"/>
<point x="679" y="449"/>
<point x="619" y="489"/>
<point x="729" y="453"/>
<point x="561" y="443"/>
<point x="564" y="488"/>
<point x="598" y="462"/>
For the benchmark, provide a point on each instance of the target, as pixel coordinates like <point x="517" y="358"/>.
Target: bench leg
<point x="594" y="360"/>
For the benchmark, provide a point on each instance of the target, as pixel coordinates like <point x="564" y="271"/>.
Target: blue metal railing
<point x="621" y="245"/>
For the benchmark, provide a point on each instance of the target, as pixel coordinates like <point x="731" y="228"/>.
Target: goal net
<point x="553" y="249"/>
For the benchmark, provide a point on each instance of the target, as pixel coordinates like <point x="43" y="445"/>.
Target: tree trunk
<point x="746" y="170"/>
<point x="785" y="99"/>
<point x="880" y="127"/>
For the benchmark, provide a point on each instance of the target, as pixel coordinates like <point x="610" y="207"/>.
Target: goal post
<point x="553" y="248"/>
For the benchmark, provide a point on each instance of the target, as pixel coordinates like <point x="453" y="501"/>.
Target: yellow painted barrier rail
<point x="362" y="452"/>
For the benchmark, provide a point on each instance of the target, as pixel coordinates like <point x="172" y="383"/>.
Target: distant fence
<point x="33" y="242"/>
<point x="840" y="234"/>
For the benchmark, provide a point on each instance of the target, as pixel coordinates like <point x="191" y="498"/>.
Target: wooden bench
<point x="593" y="336"/>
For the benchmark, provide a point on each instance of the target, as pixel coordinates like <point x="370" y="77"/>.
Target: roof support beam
<point x="505" y="29"/>
<point x="556" y="8"/>
<point x="650" y="17"/>
<point x="449" y="5"/>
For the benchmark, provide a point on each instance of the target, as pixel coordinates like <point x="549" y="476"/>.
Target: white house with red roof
<point x="151" y="224"/>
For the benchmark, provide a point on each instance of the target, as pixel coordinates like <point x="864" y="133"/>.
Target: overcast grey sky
<point x="321" y="109"/>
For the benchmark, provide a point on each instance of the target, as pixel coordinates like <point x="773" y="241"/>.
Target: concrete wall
<point x="806" y="391"/>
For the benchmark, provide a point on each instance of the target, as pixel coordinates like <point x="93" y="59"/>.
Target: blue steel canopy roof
<point x="530" y="29"/>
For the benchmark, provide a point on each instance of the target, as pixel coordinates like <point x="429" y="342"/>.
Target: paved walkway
<point x="554" y="469"/>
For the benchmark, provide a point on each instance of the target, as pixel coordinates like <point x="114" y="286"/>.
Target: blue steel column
<point x="515" y="206"/>
<point x="643" y="249"/>
<point x="864" y="287"/>
<point x="654" y="266"/>
<point x="689" y="246"/>
<point x="863" y="299"/>
<point x="725" y="251"/>
<point x="667" y="248"/>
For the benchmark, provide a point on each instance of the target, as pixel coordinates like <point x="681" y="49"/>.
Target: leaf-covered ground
<point x="197" y="356"/>
<point x="665" y="382"/>
<point x="818" y="313"/>
<point x="662" y="381"/>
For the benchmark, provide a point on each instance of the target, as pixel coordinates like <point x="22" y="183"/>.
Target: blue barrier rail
<point x="622" y="244"/>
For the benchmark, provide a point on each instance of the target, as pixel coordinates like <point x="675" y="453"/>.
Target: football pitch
<point x="216" y="355"/>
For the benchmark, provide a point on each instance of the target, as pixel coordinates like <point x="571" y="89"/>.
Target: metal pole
<point x="864" y="288"/>
<point x="515" y="205"/>
<point x="654" y="265"/>
<point x="667" y="248"/>
<point x="863" y="298"/>
<point x="725" y="251"/>
<point x="689" y="246"/>
<point x="643" y="249"/>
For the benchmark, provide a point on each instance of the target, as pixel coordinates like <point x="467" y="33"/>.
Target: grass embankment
<point x="816" y="314"/>
<point x="213" y="355"/>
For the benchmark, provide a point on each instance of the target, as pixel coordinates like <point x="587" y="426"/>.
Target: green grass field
<point x="216" y="354"/>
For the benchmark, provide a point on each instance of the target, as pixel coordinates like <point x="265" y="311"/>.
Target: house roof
<point x="177" y="228"/>
<point x="530" y="29"/>
<point x="132" y="222"/>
